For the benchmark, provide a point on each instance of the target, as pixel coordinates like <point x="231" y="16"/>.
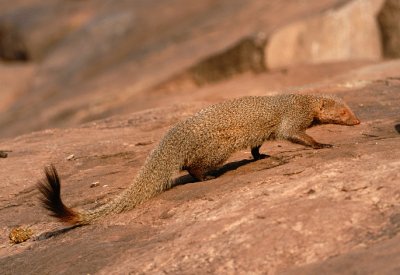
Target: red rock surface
<point x="301" y="211"/>
<point x="298" y="207"/>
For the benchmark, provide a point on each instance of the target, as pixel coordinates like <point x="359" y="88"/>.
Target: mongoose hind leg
<point x="199" y="173"/>
<point x="255" y="152"/>
<point x="304" y="139"/>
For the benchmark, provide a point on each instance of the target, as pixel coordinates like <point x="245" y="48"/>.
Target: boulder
<point x="389" y="22"/>
<point x="348" y="32"/>
<point x="30" y="32"/>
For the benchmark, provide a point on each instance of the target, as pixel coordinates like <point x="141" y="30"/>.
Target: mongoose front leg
<point x="255" y="152"/>
<point x="304" y="139"/>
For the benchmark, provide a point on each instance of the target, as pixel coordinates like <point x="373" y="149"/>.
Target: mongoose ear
<point x="343" y="112"/>
<point x="324" y="104"/>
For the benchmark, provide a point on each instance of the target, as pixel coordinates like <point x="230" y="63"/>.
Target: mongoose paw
<point x="321" y="146"/>
<point x="200" y="175"/>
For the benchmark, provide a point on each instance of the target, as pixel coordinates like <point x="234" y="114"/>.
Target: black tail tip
<point x="50" y="189"/>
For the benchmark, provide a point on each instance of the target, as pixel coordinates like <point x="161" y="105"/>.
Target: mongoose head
<point x="334" y="111"/>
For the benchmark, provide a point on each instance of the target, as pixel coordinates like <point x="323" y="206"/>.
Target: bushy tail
<point x="153" y="178"/>
<point x="51" y="197"/>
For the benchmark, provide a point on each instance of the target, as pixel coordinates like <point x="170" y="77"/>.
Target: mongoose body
<point x="202" y="142"/>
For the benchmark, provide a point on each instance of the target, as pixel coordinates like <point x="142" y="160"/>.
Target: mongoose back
<point x="202" y="142"/>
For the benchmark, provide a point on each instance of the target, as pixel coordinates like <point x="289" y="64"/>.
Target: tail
<point x="51" y="197"/>
<point x="152" y="179"/>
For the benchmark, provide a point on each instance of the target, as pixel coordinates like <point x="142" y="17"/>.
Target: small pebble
<point x="70" y="157"/>
<point x="20" y="234"/>
<point x="311" y="191"/>
<point x="375" y="200"/>
<point x="143" y="143"/>
<point x="94" y="184"/>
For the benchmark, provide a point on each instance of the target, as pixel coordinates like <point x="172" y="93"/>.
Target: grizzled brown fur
<point x="204" y="141"/>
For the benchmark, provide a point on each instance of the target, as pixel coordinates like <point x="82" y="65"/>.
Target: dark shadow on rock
<point x="219" y="172"/>
<point x="54" y="233"/>
<point x="397" y="127"/>
<point x="231" y="166"/>
<point x="246" y="55"/>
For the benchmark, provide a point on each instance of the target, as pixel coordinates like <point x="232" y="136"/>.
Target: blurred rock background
<point x="65" y="62"/>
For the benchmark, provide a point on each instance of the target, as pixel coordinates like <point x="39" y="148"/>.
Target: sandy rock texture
<point x="96" y="99"/>
<point x="335" y="209"/>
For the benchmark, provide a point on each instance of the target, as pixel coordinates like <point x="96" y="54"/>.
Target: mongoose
<point x="202" y="142"/>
